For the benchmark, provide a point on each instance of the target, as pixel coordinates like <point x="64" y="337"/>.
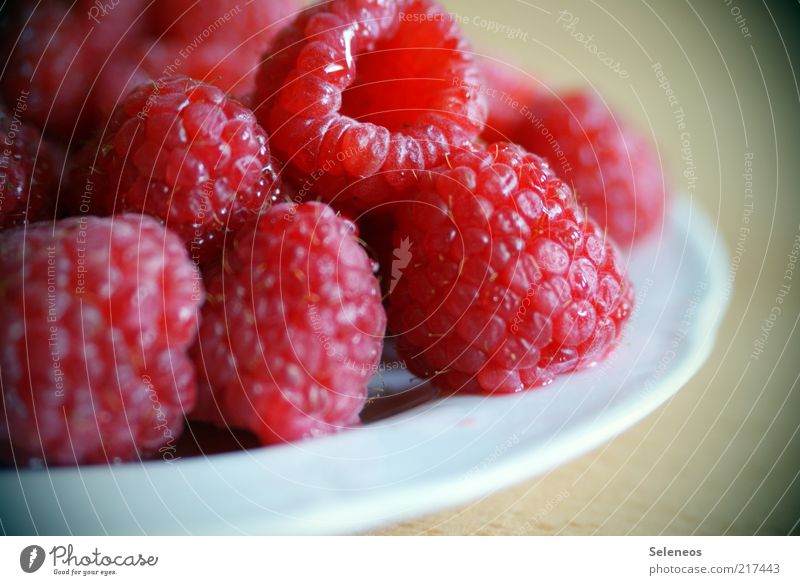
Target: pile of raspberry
<point x="222" y="214"/>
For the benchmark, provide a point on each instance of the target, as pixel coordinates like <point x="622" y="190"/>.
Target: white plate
<point x="439" y="454"/>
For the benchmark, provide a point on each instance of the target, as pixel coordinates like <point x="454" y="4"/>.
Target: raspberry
<point x="97" y="315"/>
<point x="112" y="26"/>
<point x="122" y="71"/>
<point x="510" y="93"/>
<point x="509" y="283"/>
<point x="293" y="327"/>
<point x="79" y="61"/>
<point x="55" y="54"/>
<point x="360" y="95"/>
<point x="615" y="172"/>
<point x="242" y="32"/>
<point x="26" y="171"/>
<point x="182" y="151"/>
<point x="46" y="61"/>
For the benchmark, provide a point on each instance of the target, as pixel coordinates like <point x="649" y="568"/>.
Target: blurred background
<point x="723" y="456"/>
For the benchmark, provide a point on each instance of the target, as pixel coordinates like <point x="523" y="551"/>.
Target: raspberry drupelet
<point x="97" y="316"/>
<point x="359" y="96"/>
<point x="293" y="327"/>
<point x="510" y="284"/>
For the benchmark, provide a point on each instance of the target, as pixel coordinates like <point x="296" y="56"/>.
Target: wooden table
<point x="723" y="456"/>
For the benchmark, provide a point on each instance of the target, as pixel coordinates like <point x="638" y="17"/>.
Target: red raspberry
<point x="182" y="151"/>
<point x="360" y="95"/>
<point x="55" y="54"/>
<point x="26" y="171"/>
<point x="509" y="283"/>
<point x="293" y="327"/>
<point x="510" y="93"/>
<point x="79" y="61"/>
<point x="130" y="66"/>
<point x="45" y="65"/>
<point x="219" y="41"/>
<point x="96" y="317"/>
<point x="615" y="172"/>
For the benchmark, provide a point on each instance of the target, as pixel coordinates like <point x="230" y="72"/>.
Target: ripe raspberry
<point x="124" y="70"/>
<point x="79" y="61"/>
<point x="615" y="172"/>
<point x="112" y="24"/>
<point x="55" y="53"/>
<point x="510" y="93"/>
<point x="96" y="317"/>
<point x="219" y="41"/>
<point x="293" y="327"/>
<point x="509" y="283"/>
<point x="184" y="152"/>
<point x="47" y="61"/>
<point x="26" y="171"/>
<point x="359" y="95"/>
